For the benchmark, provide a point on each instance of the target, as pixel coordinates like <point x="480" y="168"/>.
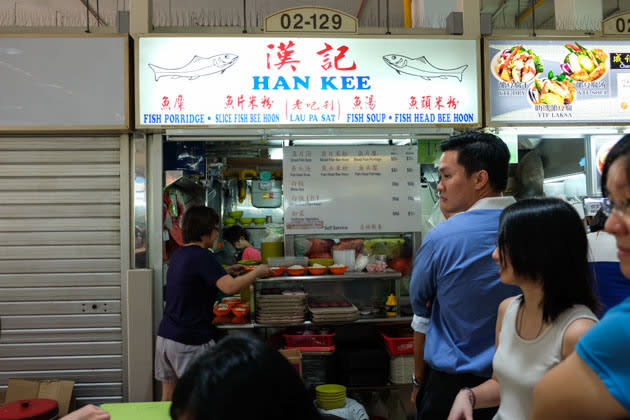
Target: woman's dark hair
<point x="620" y="149"/>
<point x="544" y="240"/>
<point x="234" y="233"/>
<point x="197" y="222"/>
<point x="242" y="377"/>
<point x="477" y="151"/>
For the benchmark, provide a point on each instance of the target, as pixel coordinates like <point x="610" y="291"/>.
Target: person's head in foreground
<point x="616" y="189"/>
<point x="543" y="240"/>
<point x="241" y="377"/>
<point x="473" y="166"/>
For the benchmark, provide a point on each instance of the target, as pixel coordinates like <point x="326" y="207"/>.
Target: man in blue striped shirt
<point x="455" y="285"/>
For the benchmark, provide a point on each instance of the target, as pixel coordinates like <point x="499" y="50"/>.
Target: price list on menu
<point x="351" y="189"/>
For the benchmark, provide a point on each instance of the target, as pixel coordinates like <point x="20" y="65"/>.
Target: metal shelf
<point x="247" y="326"/>
<point x="387" y="275"/>
<point x="252" y="227"/>
<point x="389" y="320"/>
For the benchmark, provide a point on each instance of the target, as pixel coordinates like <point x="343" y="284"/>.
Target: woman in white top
<point x="541" y="248"/>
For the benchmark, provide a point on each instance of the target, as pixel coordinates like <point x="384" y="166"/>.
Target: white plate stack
<point x="284" y="308"/>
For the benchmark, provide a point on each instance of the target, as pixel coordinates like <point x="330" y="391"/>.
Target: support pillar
<point x="578" y="15"/>
<point x="472" y="22"/>
<point x="140" y="16"/>
<point x="432" y="13"/>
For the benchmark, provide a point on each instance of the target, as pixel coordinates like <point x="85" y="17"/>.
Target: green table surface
<point x="139" y="411"/>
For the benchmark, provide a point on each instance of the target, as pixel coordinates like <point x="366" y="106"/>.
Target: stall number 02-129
<point x="311" y="19"/>
<point x="314" y="22"/>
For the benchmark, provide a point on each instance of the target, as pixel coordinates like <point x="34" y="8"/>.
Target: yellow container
<point x="245" y="294"/>
<point x="271" y="249"/>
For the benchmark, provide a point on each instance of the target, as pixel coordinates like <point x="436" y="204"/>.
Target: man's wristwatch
<point x="415" y="382"/>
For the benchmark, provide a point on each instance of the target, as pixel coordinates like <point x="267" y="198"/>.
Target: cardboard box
<point x="23" y="389"/>
<point x="294" y="356"/>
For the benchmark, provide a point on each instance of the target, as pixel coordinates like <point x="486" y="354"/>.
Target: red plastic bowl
<point x="231" y="300"/>
<point x="277" y="271"/>
<point x="338" y="270"/>
<point x="296" y="271"/>
<point x="317" y="271"/>
<point x="240" y="310"/>
<point x="221" y="309"/>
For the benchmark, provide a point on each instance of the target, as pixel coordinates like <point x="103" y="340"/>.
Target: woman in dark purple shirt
<point x="194" y="276"/>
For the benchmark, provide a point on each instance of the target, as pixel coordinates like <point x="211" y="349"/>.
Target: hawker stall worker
<point x="236" y="246"/>
<point x="594" y="381"/>
<point x="193" y="280"/>
<point x="455" y="271"/>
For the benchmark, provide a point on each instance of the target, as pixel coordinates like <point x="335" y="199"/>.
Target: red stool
<point x="32" y="409"/>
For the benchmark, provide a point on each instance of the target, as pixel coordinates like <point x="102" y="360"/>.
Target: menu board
<point x="300" y="81"/>
<point x="351" y="189"/>
<point x="558" y="81"/>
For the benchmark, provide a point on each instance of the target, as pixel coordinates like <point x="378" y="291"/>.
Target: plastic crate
<point x="396" y="344"/>
<point x="401" y="368"/>
<point x="310" y="340"/>
<point x="318" y="349"/>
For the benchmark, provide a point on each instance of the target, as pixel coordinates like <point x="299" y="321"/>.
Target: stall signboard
<point x="264" y="81"/>
<point x="558" y="81"/>
<point x="351" y="189"/>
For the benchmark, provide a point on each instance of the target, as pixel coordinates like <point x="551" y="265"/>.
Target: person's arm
<point x="230" y="285"/>
<point x="87" y="412"/>
<point x="422" y="291"/>
<point x="418" y="362"/>
<point x="572" y="390"/>
<point x="483" y="395"/>
<point x="235" y="269"/>
<point x="574" y="331"/>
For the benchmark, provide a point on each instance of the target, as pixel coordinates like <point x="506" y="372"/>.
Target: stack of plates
<point x="330" y="396"/>
<point x="334" y="313"/>
<point x="280" y="308"/>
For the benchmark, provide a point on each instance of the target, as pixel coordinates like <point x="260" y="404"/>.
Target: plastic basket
<point x="401" y="368"/>
<point x="311" y="340"/>
<point x="398" y="345"/>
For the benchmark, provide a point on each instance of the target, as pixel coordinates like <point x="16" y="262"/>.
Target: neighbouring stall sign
<point x="311" y="20"/>
<point x="618" y="24"/>
<point x="262" y="81"/>
<point x="558" y="81"/>
<point x="351" y="189"/>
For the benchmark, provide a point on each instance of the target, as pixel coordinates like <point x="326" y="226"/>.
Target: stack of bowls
<point x="330" y="396"/>
<point x="234" y="216"/>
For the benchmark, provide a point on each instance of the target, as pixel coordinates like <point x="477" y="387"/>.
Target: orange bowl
<point x="317" y="271"/>
<point x="231" y="300"/>
<point x="277" y="271"/>
<point x="240" y="310"/>
<point x="338" y="270"/>
<point x="221" y="309"/>
<point x="296" y="271"/>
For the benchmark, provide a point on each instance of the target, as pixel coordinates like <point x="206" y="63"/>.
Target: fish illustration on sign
<point x="197" y="67"/>
<point x="421" y="67"/>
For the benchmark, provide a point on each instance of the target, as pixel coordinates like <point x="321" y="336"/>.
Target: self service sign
<point x="260" y="81"/>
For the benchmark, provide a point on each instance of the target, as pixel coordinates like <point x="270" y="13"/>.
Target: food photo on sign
<point x="558" y="81"/>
